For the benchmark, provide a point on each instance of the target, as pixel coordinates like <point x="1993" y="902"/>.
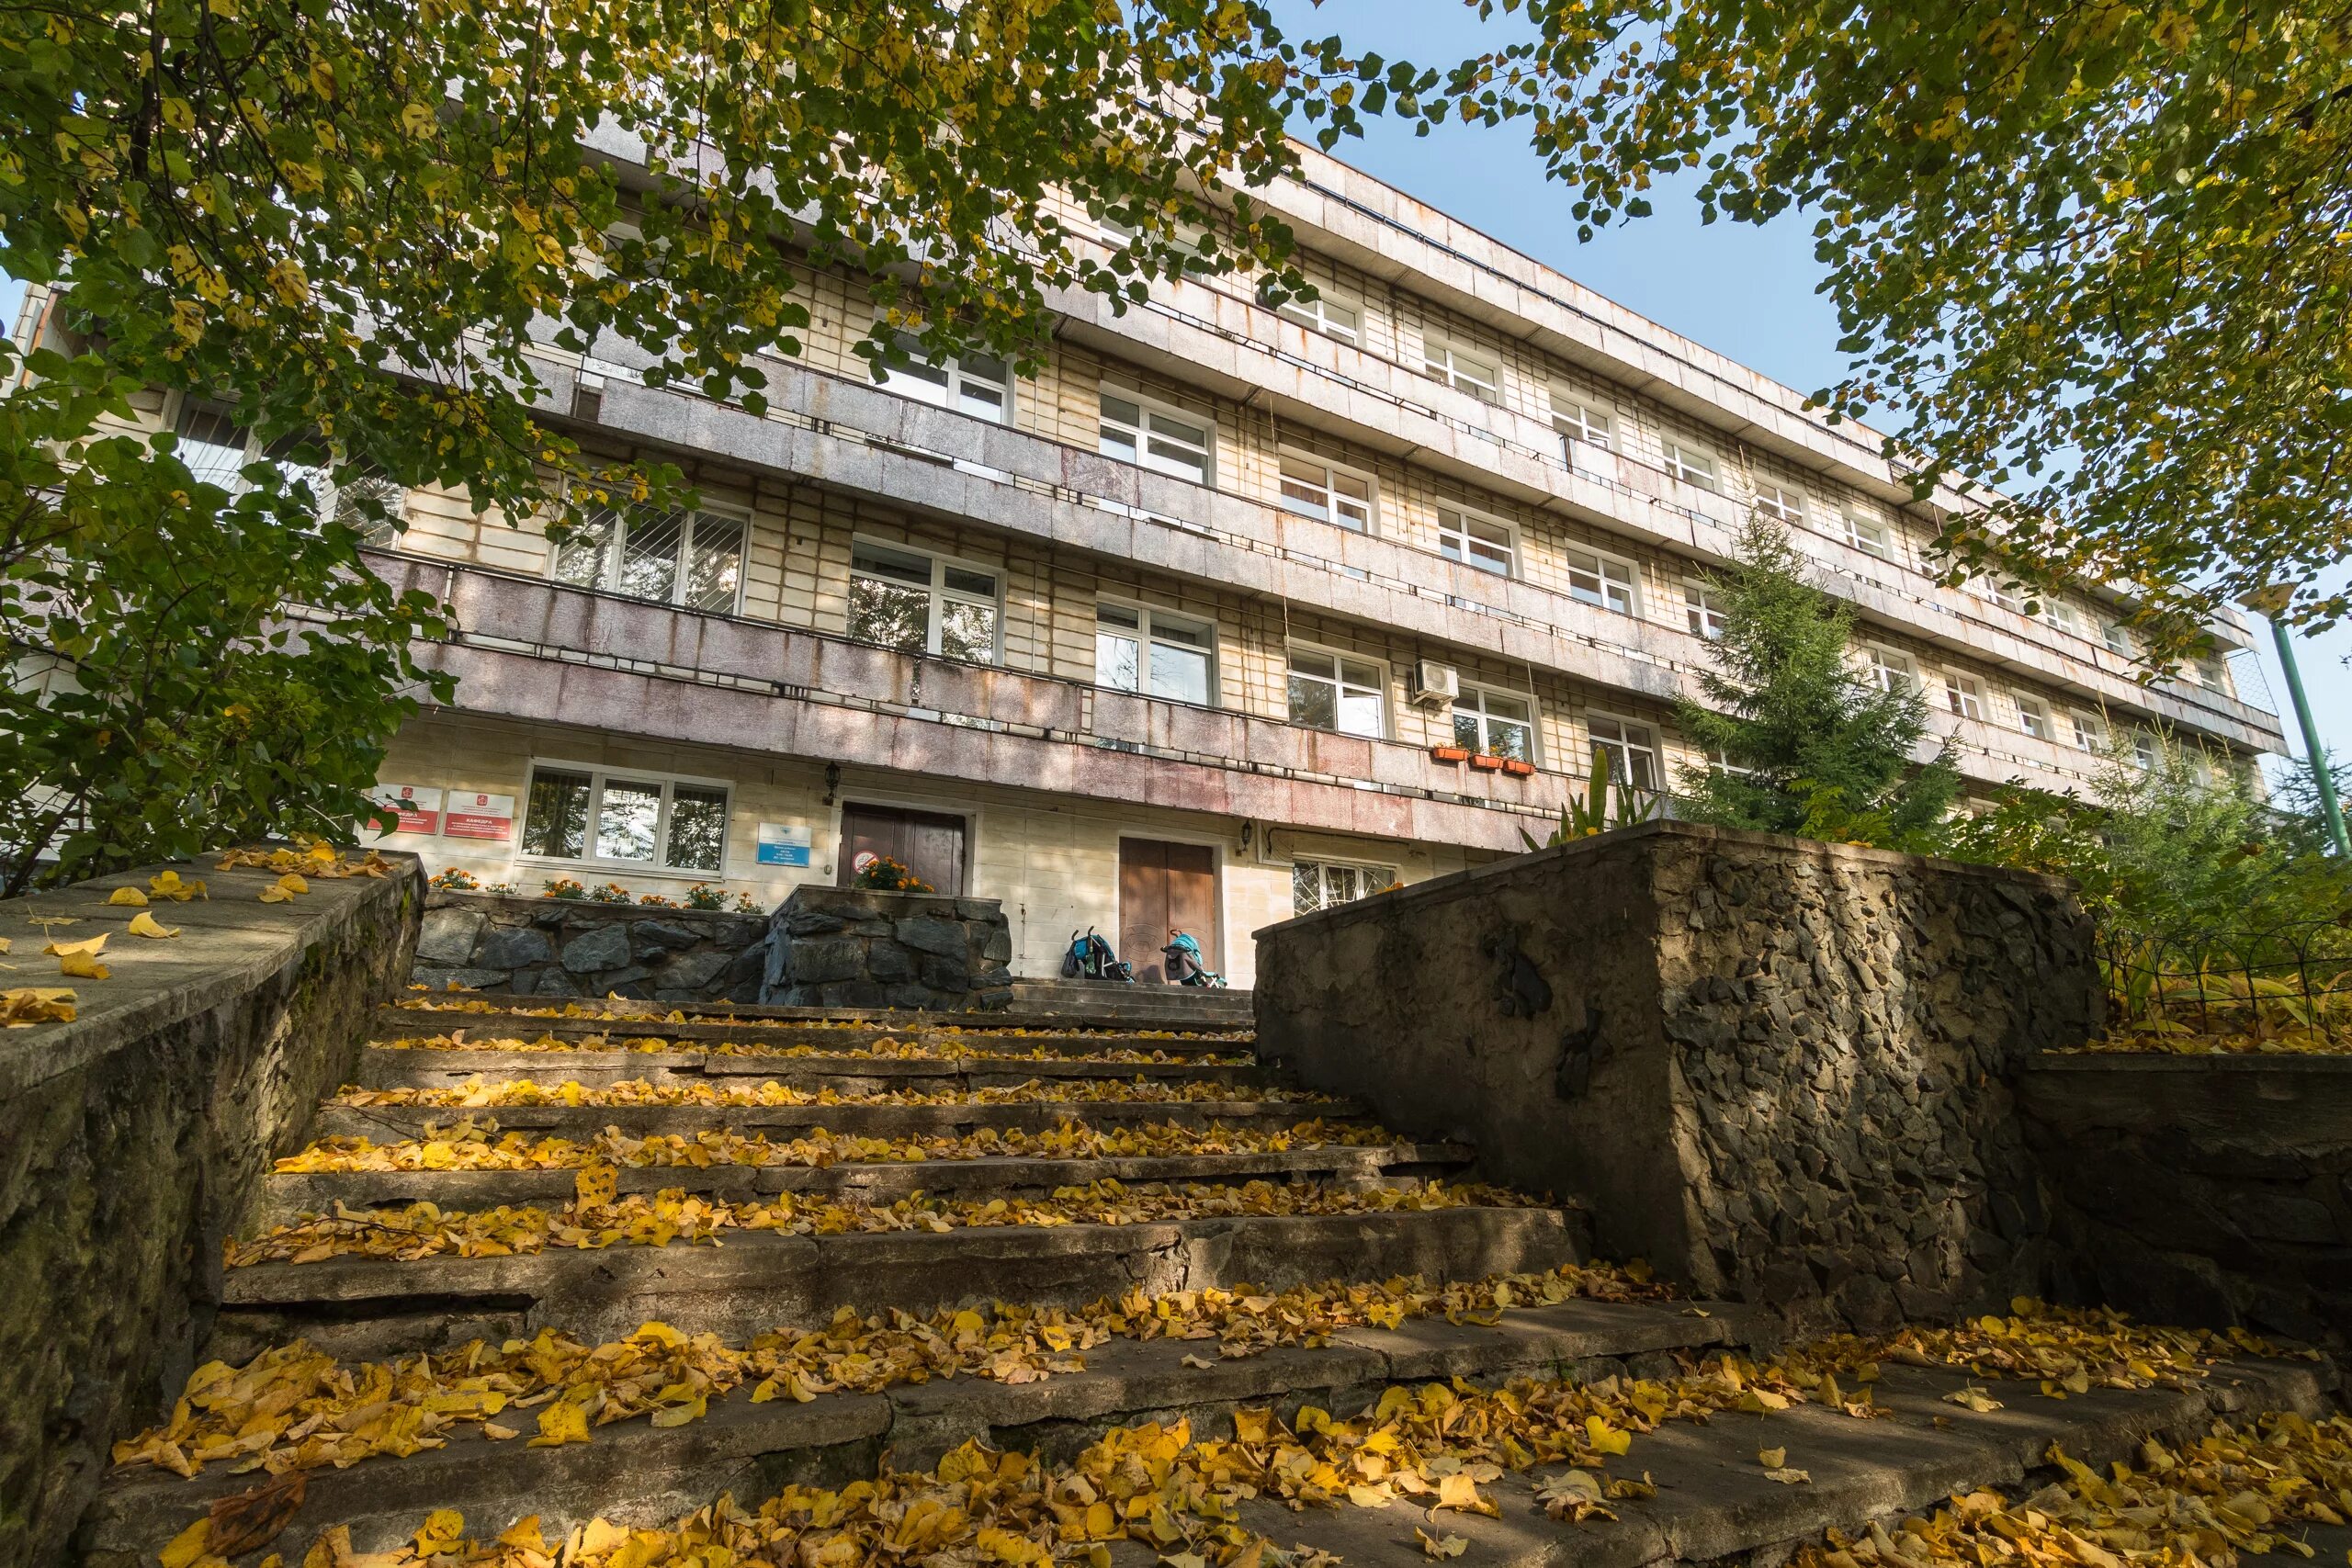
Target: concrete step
<point x="367" y="1308"/>
<point x="396" y="1024"/>
<point x="635" y="1474"/>
<point x="286" y="1197"/>
<point x="1714" y="1504"/>
<point x="877" y="1119"/>
<point x="1071" y="998"/>
<point x="1060" y="1003"/>
<point x="387" y="1067"/>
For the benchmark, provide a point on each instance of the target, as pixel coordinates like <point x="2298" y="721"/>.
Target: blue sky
<point x="1744" y="291"/>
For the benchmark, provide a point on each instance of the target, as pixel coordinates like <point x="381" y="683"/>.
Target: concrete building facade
<point x="1187" y="629"/>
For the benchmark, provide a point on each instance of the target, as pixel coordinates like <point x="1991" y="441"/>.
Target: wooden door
<point x="1165" y="888"/>
<point x="929" y="843"/>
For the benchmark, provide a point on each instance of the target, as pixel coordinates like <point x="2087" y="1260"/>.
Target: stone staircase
<point x="1096" y="1145"/>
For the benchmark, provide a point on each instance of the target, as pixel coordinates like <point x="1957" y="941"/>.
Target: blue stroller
<point x="1090" y="958"/>
<point x="1184" y="965"/>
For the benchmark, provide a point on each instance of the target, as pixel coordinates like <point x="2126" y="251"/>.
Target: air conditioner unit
<point x="1435" y="685"/>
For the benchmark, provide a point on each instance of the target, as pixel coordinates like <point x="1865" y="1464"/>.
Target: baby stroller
<point x="1090" y="958"/>
<point x="1184" y="965"/>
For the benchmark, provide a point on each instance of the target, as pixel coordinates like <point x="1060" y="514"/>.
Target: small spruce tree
<point x="1814" y="748"/>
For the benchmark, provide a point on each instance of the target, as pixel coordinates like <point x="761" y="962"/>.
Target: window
<point x="2147" y="752"/>
<point x="2090" y="731"/>
<point x="1598" y="579"/>
<point x="1867" y="535"/>
<point x="350" y="509"/>
<point x="1462" y="372"/>
<point x="969" y="383"/>
<point x="1474" y="541"/>
<point x="1782" y="505"/>
<point x="1164" y="442"/>
<point x="1331" y="691"/>
<point x="1692" y="465"/>
<point x="1497" y="722"/>
<point x="1314" y="489"/>
<point x="1964" y="695"/>
<point x="1580" y="421"/>
<point x="2062" y="615"/>
<point x="2213" y="675"/>
<point x="1325" y="315"/>
<point x="1889" y="670"/>
<point x="2118" y="638"/>
<point x="922" y="604"/>
<point x="694" y="559"/>
<point x="217" y="450"/>
<point x="1137" y="648"/>
<point x="1631" y="750"/>
<point x="1703" y="607"/>
<point x="2005" y="594"/>
<point x="2033" y="717"/>
<point x="588" y="813"/>
<point x="1324" y="885"/>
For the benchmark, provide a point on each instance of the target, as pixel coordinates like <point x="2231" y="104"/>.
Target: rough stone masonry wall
<point x="2204" y="1189"/>
<point x="849" y="947"/>
<point x="567" y="947"/>
<point x="133" y="1140"/>
<point x="1782" y="1071"/>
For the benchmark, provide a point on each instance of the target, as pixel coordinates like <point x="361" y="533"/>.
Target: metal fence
<point x="2288" y="983"/>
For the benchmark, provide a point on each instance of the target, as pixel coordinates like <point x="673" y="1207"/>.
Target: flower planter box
<point x="1451" y="753"/>
<point x="1518" y="769"/>
<point x="1485" y="763"/>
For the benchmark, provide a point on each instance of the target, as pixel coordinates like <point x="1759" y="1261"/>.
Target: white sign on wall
<point x="417" y="807"/>
<point x="783" y="843"/>
<point x="477" y="816"/>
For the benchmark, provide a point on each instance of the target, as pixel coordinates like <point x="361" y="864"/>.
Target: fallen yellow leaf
<point x="90" y="946"/>
<point x="130" y="898"/>
<point x="167" y="885"/>
<point x="30" y="1005"/>
<point x="82" y="966"/>
<point x="145" y="924"/>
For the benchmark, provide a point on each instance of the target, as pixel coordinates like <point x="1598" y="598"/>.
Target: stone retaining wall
<point x="851" y="947"/>
<point x="134" y="1141"/>
<point x="569" y="947"/>
<point x="1779" y="1070"/>
<point x="2204" y="1189"/>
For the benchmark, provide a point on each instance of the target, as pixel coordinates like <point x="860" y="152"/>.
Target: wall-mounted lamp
<point x="832" y="781"/>
<point x="1248" y="831"/>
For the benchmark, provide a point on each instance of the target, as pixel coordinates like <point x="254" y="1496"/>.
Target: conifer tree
<point x="1812" y="745"/>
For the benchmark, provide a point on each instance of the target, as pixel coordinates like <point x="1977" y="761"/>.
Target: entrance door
<point x="1165" y="888"/>
<point x="929" y="843"/>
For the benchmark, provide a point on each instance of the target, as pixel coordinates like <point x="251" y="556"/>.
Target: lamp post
<point x="2329" y="809"/>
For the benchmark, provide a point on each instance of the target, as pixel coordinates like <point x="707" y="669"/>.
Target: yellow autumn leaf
<point x="443" y="1531"/>
<point x="1440" y="1547"/>
<point x="188" y="1545"/>
<point x="30" y="1005"/>
<point x="559" y="1423"/>
<point x="129" y="897"/>
<point x="524" y="1535"/>
<point x="88" y="947"/>
<point x="145" y="924"/>
<point x="82" y="966"/>
<point x="1771" y="1459"/>
<point x="169" y="885"/>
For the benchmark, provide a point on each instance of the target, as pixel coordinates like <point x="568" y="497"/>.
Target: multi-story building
<point x="1182" y="630"/>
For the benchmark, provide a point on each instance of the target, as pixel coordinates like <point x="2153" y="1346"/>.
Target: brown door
<point x="1165" y="888"/>
<point x="928" y="844"/>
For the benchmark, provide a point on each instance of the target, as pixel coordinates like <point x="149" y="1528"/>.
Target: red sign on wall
<point x="417" y="808"/>
<point x="473" y="816"/>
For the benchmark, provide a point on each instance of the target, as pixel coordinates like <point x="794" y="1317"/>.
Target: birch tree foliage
<point x="2096" y="256"/>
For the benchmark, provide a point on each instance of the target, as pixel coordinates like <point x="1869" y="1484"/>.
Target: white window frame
<point x="1866" y="534"/>
<point x="940" y="594"/>
<point x="328" y="495"/>
<point x="1149" y="411"/>
<point x="1333" y="506"/>
<point x="1963" y="694"/>
<point x="1578" y="420"/>
<point x="1597" y="726"/>
<point x="1701" y="612"/>
<point x="1364" y="870"/>
<point x="2147" y="750"/>
<point x="948" y="393"/>
<point x="598" y="776"/>
<point x="616" y="550"/>
<point x="1444" y="359"/>
<point x="2089" y="729"/>
<point x="1316" y="316"/>
<point x="1888" y="669"/>
<point x="1692" y="463"/>
<point x="2062" y="615"/>
<point x="1477" y="697"/>
<point x="1341" y="658"/>
<point x="2214" y="674"/>
<point x="2031" y="709"/>
<point x="1148" y="616"/>
<point x="1782" y="504"/>
<point x="1458" y="531"/>
<point x="2117" y="637"/>
<point x="1611" y="576"/>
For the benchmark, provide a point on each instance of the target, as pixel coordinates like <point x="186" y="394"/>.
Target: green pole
<point x="2327" y="805"/>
